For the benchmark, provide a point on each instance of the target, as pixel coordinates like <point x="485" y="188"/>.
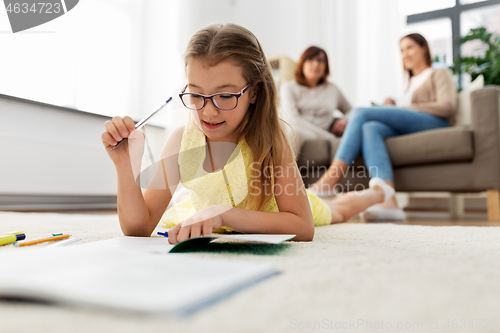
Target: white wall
<point x="88" y="59"/>
<point x="53" y="151"/>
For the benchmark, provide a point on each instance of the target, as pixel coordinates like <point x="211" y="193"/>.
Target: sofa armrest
<point x="485" y="118"/>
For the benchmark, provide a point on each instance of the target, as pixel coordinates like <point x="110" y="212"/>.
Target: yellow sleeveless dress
<point x="227" y="187"/>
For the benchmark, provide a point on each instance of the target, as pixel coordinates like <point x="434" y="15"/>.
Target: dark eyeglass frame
<point x="211" y="97"/>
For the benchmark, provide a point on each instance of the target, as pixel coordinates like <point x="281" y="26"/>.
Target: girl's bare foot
<point x="391" y="204"/>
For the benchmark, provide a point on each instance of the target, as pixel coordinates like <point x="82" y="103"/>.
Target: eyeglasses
<point x="222" y="101"/>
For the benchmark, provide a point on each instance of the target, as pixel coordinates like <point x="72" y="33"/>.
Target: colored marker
<point x="164" y="234"/>
<point x="13" y="233"/>
<point x="41" y="240"/>
<point x="9" y="239"/>
<point x="65" y="242"/>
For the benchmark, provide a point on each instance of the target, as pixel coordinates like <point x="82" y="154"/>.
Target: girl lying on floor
<point x="233" y="155"/>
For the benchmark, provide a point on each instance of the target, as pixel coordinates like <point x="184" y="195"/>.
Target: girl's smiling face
<point x="218" y="125"/>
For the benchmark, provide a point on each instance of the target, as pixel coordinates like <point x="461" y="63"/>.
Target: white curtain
<point x="364" y="44"/>
<point x="361" y="37"/>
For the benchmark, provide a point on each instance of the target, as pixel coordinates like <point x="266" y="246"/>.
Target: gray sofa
<point x="454" y="159"/>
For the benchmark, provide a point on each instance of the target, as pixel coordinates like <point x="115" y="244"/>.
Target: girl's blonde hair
<point x="261" y="127"/>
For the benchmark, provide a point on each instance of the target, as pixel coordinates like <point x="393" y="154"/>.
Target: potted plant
<point x="487" y="64"/>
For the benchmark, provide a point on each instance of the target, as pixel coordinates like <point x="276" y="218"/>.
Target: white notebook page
<point x="129" y="273"/>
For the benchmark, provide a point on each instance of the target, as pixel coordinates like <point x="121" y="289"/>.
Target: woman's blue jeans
<point x="367" y="129"/>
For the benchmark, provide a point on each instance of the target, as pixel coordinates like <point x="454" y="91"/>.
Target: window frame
<point x="453" y="13"/>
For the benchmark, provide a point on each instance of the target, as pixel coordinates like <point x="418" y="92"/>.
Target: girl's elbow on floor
<point x="135" y="231"/>
<point x="136" y="234"/>
<point x="306" y="234"/>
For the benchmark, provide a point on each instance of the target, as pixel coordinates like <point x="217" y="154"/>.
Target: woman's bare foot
<point x="326" y="183"/>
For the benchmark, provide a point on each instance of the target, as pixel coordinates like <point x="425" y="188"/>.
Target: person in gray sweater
<point x="310" y="100"/>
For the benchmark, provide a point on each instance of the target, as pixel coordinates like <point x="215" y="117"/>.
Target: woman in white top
<point x="309" y="102"/>
<point x="429" y="102"/>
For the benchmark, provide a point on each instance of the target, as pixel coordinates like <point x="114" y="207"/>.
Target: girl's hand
<point x="200" y="224"/>
<point x="118" y="129"/>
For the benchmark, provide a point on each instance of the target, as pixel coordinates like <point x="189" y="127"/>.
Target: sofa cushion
<point x="463" y="116"/>
<point x="452" y="144"/>
<point x="314" y="153"/>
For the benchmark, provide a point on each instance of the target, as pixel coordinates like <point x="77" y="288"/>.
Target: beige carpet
<point x="352" y="278"/>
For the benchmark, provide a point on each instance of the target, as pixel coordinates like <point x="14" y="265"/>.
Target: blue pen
<point x="164" y="234"/>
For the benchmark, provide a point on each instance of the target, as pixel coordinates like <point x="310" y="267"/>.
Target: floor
<point x="428" y="217"/>
<point x="358" y="273"/>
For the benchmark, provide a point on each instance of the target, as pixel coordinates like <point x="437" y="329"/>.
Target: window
<point x="438" y="35"/>
<point x="433" y="19"/>
<point x="415" y="7"/>
<point x="488" y="17"/>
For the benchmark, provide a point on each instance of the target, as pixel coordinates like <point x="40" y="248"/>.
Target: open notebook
<point x="128" y="273"/>
<point x="192" y="243"/>
<point x="161" y="245"/>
